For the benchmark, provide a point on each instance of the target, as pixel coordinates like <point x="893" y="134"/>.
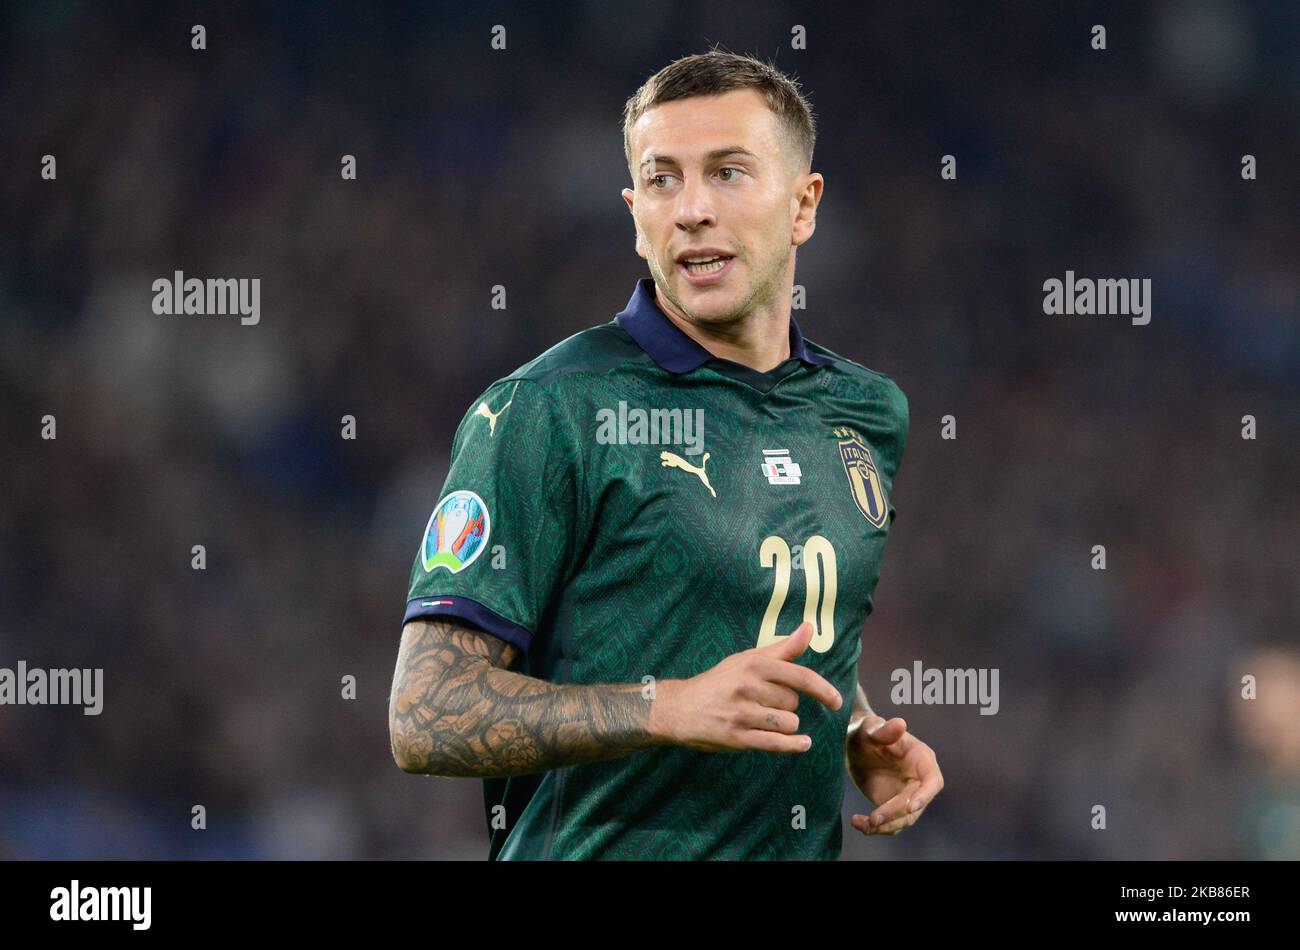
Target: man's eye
<point x="731" y="168"/>
<point x="654" y="178"/>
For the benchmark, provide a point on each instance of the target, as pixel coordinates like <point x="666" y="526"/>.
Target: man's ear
<point x="629" y="196"/>
<point x="808" y="197"/>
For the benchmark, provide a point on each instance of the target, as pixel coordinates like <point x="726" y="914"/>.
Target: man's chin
<point x="711" y="305"/>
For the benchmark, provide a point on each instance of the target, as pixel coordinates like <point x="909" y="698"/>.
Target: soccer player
<point x="636" y="608"/>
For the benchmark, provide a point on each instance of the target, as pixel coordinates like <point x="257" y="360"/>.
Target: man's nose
<point x="694" y="205"/>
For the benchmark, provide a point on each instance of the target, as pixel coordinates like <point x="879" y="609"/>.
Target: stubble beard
<point x="757" y="291"/>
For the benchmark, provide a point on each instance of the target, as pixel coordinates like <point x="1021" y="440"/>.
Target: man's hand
<point x="895" y="770"/>
<point x="747" y="701"/>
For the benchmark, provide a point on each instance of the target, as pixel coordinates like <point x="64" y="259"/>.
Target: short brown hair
<point x="717" y="71"/>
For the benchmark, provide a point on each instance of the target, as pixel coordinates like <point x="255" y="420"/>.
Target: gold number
<point x="774" y="552"/>
<point x="819" y="571"/>
<point x="819" y="549"/>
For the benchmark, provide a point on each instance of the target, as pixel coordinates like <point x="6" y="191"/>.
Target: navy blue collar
<point x="674" y="350"/>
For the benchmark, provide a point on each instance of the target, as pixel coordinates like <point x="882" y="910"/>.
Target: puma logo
<point x="673" y="460"/>
<point x="491" y="416"/>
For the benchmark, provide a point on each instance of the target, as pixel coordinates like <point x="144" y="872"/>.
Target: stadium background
<point x="478" y="167"/>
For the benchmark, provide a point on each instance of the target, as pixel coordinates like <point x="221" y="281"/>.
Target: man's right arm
<point x="456" y="710"/>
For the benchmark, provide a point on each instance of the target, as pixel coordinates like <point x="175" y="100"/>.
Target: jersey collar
<point x="674" y="350"/>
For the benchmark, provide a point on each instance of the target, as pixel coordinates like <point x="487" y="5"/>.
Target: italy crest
<point x="864" y="477"/>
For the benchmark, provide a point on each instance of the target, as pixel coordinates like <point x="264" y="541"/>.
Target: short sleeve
<point x="903" y="417"/>
<point x="501" y="540"/>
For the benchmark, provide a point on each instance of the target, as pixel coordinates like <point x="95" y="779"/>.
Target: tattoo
<point x="456" y="710"/>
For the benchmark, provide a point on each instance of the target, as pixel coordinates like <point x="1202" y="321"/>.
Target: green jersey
<point x="628" y="506"/>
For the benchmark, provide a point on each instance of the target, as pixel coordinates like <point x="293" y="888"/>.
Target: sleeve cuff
<point x="471" y="611"/>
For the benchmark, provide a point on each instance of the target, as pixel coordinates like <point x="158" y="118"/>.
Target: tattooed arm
<point x="456" y="710"/>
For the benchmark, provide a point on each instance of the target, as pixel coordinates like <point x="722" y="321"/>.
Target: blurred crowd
<point x="223" y="688"/>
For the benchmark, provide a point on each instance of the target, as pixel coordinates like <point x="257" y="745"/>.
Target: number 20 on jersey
<point x="819" y="574"/>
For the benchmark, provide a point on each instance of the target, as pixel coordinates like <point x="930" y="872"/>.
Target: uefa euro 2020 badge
<point x="457" y="532"/>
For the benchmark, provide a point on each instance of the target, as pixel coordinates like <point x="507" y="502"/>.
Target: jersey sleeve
<point x="901" y="412"/>
<point x="502" y="537"/>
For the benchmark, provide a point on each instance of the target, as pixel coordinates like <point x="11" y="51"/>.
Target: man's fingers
<point x="766" y="741"/>
<point x="893" y="816"/>
<point x="888" y="738"/>
<point x="803" y="679"/>
<point x="767" y="693"/>
<point x="931" y="785"/>
<point x="897" y="807"/>
<point x="790" y="647"/>
<point x="898" y="824"/>
<point x="894" y="822"/>
<point x="785" y="671"/>
<point x="776" y="720"/>
<point x="889" y="828"/>
<point x="887" y="732"/>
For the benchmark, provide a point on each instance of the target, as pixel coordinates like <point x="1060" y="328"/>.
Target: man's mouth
<point x="699" y="265"/>
<point x="706" y="267"/>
